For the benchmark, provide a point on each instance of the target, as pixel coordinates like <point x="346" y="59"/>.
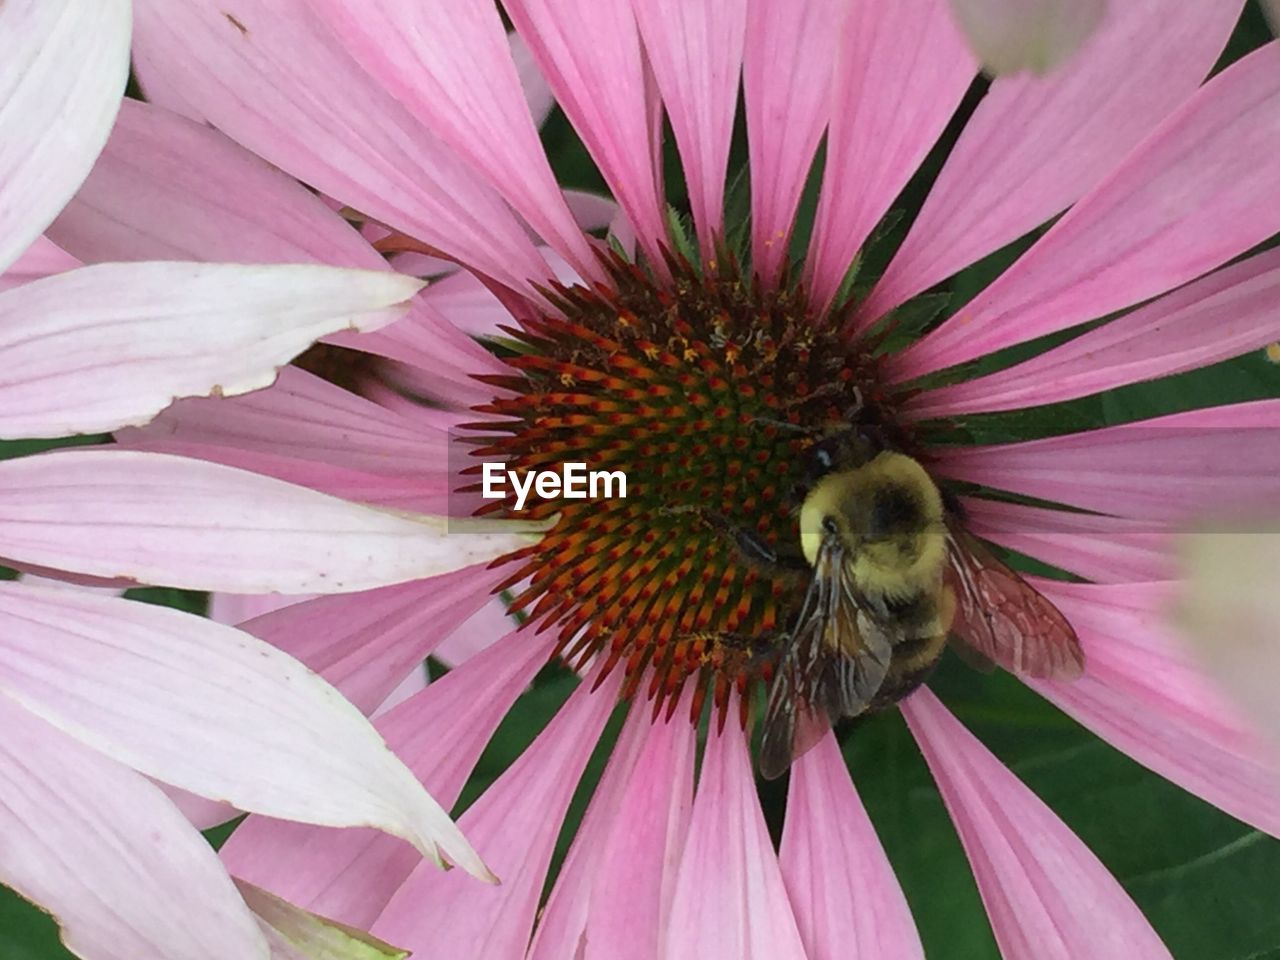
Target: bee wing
<point x="834" y="663"/>
<point x="1004" y="618"/>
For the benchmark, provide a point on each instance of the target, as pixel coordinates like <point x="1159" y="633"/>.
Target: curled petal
<point x="1036" y="35"/>
<point x="901" y="70"/>
<point x="112" y="345"/>
<point x="1047" y="896"/>
<point x="295" y="934"/>
<point x="209" y="709"/>
<point x="167" y="520"/>
<point x="614" y="891"/>
<point x="847" y="901"/>
<point x="729" y="900"/>
<point x="101" y="849"/>
<point x="516" y="823"/>
<point x="695" y="50"/>
<point x="61" y="80"/>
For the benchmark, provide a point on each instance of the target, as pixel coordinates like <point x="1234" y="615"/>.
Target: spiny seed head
<point x="704" y="390"/>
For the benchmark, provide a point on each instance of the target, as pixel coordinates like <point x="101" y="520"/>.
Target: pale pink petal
<point x="450" y="65"/>
<point x="1200" y="190"/>
<point x="209" y="709"/>
<point x="102" y="850"/>
<point x="537" y="93"/>
<point x="166" y="188"/>
<point x="1036" y="35"/>
<point x="787" y="73"/>
<point x="42" y="259"/>
<point x="440" y="733"/>
<point x="200" y="811"/>
<point x="1144" y="694"/>
<point x="847" y="902"/>
<point x="729" y="901"/>
<point x="1099" y="548"/>
<point x="592" y="211"/>
<point x="1223" y="315"/>
<point x="614" y="890"/>
<point x="273" y="78"/>
<point x="589" y="51"/>
<point x="1229" y="611"/>
<point x="365" y="643"/>
<point x="1048" y="897"/>
<point x="479" y="633"/>
<point x="415" y="681"/>
<point x="515" y="823"/>
<point x="234" y="608"/>
<point x="1035" y="145"/>
<point x="185" y="523"/>
<point x="695" y="50"/>
<point x="901" y="69"/>
<point x="295" y="934"/>
<point x="1163" y="470"/>
<point x="473" y="308"/>
<point x="61" y="80"/>
<point x="112" y="345"/>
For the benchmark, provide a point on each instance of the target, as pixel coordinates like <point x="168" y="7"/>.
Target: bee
<point x="894" y="574"/>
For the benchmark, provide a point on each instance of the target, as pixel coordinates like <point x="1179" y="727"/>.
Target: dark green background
<point x="1207" y="882"/>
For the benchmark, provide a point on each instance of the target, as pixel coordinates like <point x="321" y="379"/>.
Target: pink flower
<point x="412" y="115"/>
<point x="119" y="716"/>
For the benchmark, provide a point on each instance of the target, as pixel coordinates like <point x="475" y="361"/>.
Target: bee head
<point x="885" y="516"/>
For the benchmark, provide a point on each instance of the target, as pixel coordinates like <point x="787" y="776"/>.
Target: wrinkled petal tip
<point x="1010" y="36"/>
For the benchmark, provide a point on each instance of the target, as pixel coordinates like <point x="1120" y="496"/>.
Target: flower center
<point x="705" y="391"/>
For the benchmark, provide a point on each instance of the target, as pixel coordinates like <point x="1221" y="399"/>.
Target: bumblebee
<point x="893" y="576"/>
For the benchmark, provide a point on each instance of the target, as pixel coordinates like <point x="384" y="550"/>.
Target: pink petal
<point x="112" y="345"/>
<point x="200" y="812"/>
<point x="309" y="418"/>
<point x="1144" y="694"/>
<point x="787" y="73"/>
<point x="695" y="50"/>
<point x="1228" y="609"/>
<point x="515" y="822"/>
<point x="1036" y="35"/>
<point x="1035" y="145"/>
<point x="234" y="608"/>
<point x="102" y="850"/>
<point x="1194" y="194"/>
<point x="42" y="259"/>
<point x="167" y="520"/>
<point x="210" y="710"/>
<point x="1221" y="316"/>
<point x="901" y="71"/>
<point x="61" y="80"/>
<point x="847" y="901"/>
<point x="451" y="65"/>
<point x="440" y="733"/>
<point x="1162" y="470"/>
<point x="614" y="890"/>
<point x="273" y="78"/>
<point x="589" y="51"/>
<point x="1099" y="548"/>
<point x="729" y="901"/>
<point x="537" y="93"/>
<point x="166" y="188"/>
<point x="592" y="211"/>
<point x="1047" y="896"/>
<point x="479" y="633"/>
<point x="365" y="643"/>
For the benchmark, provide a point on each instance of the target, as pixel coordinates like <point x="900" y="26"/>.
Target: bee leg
<point x="747" y="542"/>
